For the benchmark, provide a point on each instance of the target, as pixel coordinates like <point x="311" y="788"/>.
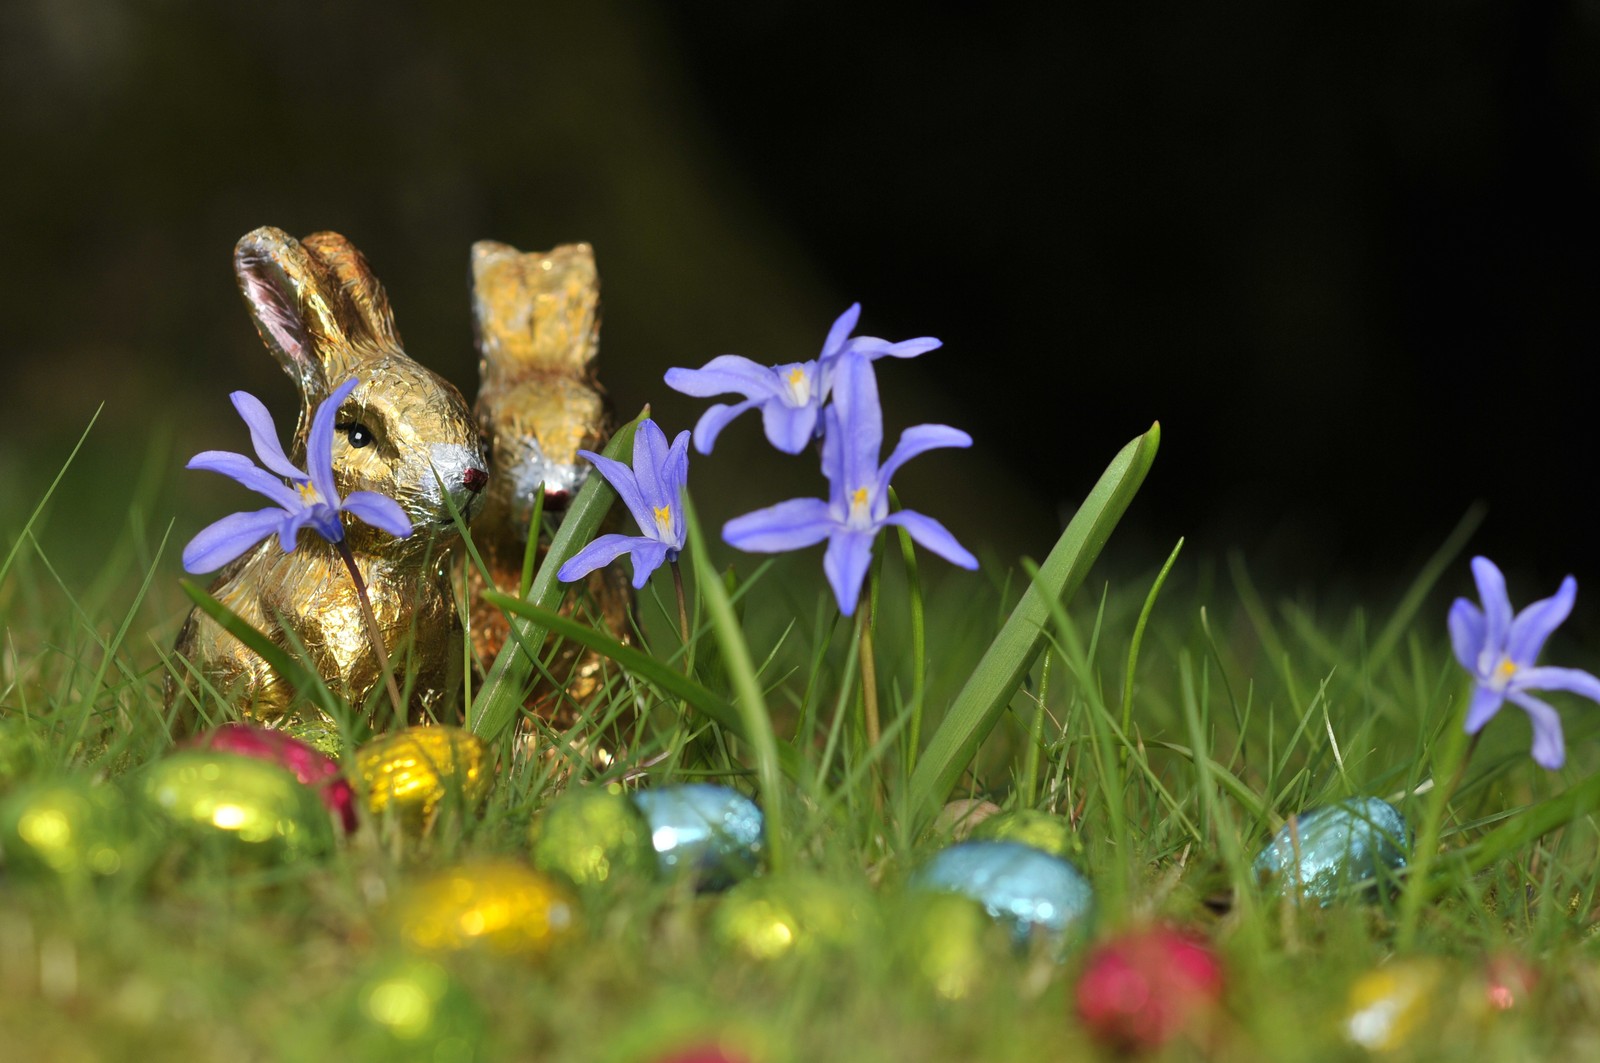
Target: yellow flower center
<point x="858" y="505"/>
<point x="663" y="517"/>
<point x="799" y="386"/>
<point x="308" y="493"/>
<point x="1508" y="668"/>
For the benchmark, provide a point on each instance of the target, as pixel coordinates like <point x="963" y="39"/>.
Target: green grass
<point x="1178" y="729"/>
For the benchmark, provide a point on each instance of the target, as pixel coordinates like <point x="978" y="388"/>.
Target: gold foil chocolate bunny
<point x="404" y="432"/>
<point x="538" y="325"/>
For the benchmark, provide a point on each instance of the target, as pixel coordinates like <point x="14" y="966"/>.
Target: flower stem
<point x="869" y="675"/>
<point x="373" y="634"/>
<point x="1451" y="764"/>
<point x="683" y="612"/>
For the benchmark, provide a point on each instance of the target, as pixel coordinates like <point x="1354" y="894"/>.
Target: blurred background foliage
<point x="1345" y="253"/>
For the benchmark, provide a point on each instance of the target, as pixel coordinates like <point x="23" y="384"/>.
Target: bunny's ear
<point x="539" y="310"/>
<point x="293" y="301"/>
<point x="364" y="300"/>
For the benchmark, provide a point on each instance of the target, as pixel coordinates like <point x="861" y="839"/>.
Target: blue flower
<point x="1499" y="650"/>
<point x="790" y="396"/>
<point x="653" y="492"/>
<point x="857" y="507"/>
<point x="312" y="500"/>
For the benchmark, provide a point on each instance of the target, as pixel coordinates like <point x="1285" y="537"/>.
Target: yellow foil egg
<point x="766" y="918"/>
<point x="950" y="941"/>
<point x="502" y="905"/>
<point x="252" y="806"/>
<point x="414" y="771"/>
<point x="1387" y="1007"/>
<point x="591" y="835"/>
<point x="1052" y="834"/>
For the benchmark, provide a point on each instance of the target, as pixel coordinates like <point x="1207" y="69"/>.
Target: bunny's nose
<point x="474" y="479"/>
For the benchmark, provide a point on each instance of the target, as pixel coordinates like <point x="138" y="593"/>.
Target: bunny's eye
<point x="359" y="435"/>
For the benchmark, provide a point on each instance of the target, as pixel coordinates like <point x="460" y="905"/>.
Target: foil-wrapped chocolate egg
<point x="710" y="832"/>
<point x="69" y="828"/>
<point x="311" y="767"/>
<point x="792" y="914"/>
<point x="1039" y="896"/>
<point x="1333" y="850"/>
<point x="251" y="806"/>
<point x="949" y="940"/>
<point x="1052" y="834"/>
<point x="591" y="835"/>
<point x="411" y="773"/>
<point x="1141" y="989"/>
<point x="1385" y="1008"/>
<point x="502" y="905"/>
<point x="412" y="1009"/>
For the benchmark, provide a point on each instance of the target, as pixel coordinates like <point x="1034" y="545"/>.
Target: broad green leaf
<point x="982" y="701"/>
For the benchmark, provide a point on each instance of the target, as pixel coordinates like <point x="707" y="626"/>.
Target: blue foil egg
<point x="1340" y="847"/>
<point x="710" y="832"/>
<point x="1036" y="894"/>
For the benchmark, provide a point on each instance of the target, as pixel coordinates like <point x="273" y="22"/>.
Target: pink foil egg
<point x="1141" y="989"/>
<point x="306" y="764"/>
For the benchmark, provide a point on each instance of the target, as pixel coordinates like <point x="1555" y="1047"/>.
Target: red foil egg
<point x="1140" y="990"/>
<point x="306" y="764"/>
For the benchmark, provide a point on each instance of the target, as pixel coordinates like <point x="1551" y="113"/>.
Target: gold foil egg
<point x="412" y="1009"/>
<point x="778" y="915"/>
<point x="950" y="941"/>
<point x="503" y="905"/>
<point x="414" y="771"/>
<point x="70" y="828"/>
<point x="592" y="835"/>
<point x="1043" y="831"/>
<point x="252" y="806"/>
<point x="1387" y="1007"/>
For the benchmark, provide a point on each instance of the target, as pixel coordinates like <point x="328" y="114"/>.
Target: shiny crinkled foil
<point x="502" y="905"/>
<point x="411" y="773"/>
<point x="539" y="403"/>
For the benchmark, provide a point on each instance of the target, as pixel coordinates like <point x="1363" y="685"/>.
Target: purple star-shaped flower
<point x="857" y="507"/>
<point x="1499" y="649"/>
<point x="790" y="396"/>
<point x="312" y="500"/>
<point x="653" y="492"/>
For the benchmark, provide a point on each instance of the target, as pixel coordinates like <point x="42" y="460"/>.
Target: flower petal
<point x="789" y="428"/>
<point x="1549" y="749"/>
<point x="675" y="472"/>
<point x="264" y="436"/>
<point x="319" y="443"/>
<point x="649" y="455"/>
<point x="1467" y="631"/>
<point x="221" y="542"/>
<point x="601" y="552"/>
<point x="726" y="374"/>
<point x="873" y="347"/>
<point x="840" y="331"/>
<point x="917" y="440"/>
<point x="1496" y="605"/>
<point x="845" y="564"/>
<point x="791" y="525"/>
<point x="1485" y="703"/>
<point x="320" y="518"/>
<point x="622" y="480"/>
<point x="380" y="511"/>
<point x="859" y="426"/>
<point x="933" y="537"/>
<point x="714" y="420"/>
<point x="647" y="557"/>
<point x="1572" y="680"/>
<point x="1538" y="621"/>
<point x="240" y="468"/>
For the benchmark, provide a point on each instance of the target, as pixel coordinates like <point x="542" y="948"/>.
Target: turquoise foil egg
<point x="1340" y="848"/>
<point x="712" y="833"/>
<point x="1038" y="895"/>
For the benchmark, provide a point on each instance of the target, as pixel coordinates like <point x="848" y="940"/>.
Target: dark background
<point x="1346" y="253"/>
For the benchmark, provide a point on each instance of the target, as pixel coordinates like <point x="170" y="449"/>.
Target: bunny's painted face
<point x="408" y="433"/>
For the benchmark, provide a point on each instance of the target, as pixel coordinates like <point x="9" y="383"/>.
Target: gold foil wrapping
<point x="539" y="403"/>
<point x="411" y="773"/>
<point x="324" y="316"/>
<point x="502" y="905"/>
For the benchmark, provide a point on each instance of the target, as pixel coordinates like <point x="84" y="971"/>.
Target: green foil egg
<point x="69" y="828"/>
<point x="949" y="941"/>
<point x="1045" y="832"/>
<point x="593" y="835"/>
<point x="1333" y="850"/>
<point x="245" y="805"/>
<point x="792" y="914"/>
<point x="413" y="1010"/>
